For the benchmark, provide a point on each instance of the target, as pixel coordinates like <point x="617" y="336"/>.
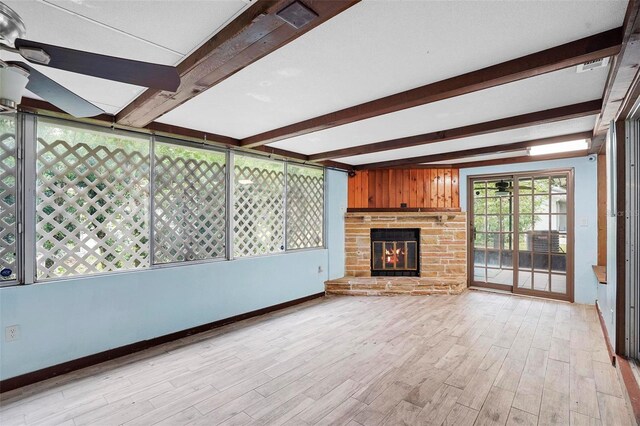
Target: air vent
<point x="297" y="14"/>
<point x="592" y="65"/>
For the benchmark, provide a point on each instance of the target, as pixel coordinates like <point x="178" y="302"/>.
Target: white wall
<point x="65" y="320"/>
<point x="586" y="215"/>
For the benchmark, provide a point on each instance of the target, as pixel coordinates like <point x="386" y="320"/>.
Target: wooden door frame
<point x="569" y="296"/>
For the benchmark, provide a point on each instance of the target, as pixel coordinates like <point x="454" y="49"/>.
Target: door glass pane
<point x="541" y="222"/>
<point x="480" y="223"/>
<point x="507" y="260"/>
<point x="525" y="186"/>
<point x="478" y="257"/>
<point x="493" y="241"/>
<point x="541" y="185"/>
<point x="540" y="281"/>
<point x="525" y="204"/>
<point x="493" y="258"/>
<point x="558" y="203"/>
<point x="493" y="205"/>
<point x="559" y="222"/>
<point x="493" y="223"/>
<point x="559" y="283"/>
<point x="559" y="263"/>
<point x="558" y="184"/>
<point x="541" y="204"/>
<point x="525" y="279"/>
<point x="481" y="240"/>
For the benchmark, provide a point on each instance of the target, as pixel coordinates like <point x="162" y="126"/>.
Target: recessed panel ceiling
<point x="377" y="48"/>
<point x="52" y="25"/>
<point x="551" y="90"/>
<point x="517" y="135"/>
<point x="177" y="25"/>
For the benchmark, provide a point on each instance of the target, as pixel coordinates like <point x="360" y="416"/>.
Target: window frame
<point x="26" y="210"/>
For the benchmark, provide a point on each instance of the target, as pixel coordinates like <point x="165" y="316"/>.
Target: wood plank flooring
<point x="478" y="358"/>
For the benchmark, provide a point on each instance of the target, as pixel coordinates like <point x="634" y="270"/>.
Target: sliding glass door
<point x="521" y="237"/>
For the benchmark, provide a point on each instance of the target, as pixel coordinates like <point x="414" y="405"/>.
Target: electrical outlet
<point x="12" y="333"/>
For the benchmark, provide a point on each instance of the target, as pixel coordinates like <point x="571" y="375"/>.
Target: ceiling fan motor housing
<point x="11" y="25"/>
<point x="13" y="81"/>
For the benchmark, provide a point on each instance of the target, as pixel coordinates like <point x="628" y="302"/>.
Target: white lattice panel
<point x="189" y="204"/>
<point x="8" y="182"/>
<point x="258" y="206"/>
<point x="305" y="207"/>
<point x="92" y="203"/>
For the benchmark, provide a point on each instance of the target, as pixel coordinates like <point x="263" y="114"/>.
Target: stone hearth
<point x="443" y="254"/>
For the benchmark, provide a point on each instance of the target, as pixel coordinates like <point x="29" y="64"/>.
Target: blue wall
<point x="586" y="215"/>
<point x="65" y="320"/>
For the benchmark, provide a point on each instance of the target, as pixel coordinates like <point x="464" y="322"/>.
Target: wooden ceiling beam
<point x="255" y="33"/>
<point x="619" y="94"/>
<point x="567" y="55"/>
<point x="522" y="159"/>
<point x="566" y="112"/>
<point x="466" y="153"/>
<point x="166" y="130"/>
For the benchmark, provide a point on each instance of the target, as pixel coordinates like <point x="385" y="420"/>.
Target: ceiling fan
<point x="506" y="188"/>
<point x="16" y="75"/>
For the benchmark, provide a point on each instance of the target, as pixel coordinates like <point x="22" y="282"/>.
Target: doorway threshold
<point x="495" y="290"/>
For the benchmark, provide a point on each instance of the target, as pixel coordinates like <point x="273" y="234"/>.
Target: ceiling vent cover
<point x="297" y="14"/>
<point x="592" y="65"/>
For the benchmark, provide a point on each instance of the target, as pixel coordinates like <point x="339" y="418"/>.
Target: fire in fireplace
<point x="395" y="252"/>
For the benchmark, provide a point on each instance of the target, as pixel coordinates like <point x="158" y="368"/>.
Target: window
<point x="8" y="202"/>
<point x="305" y="206"/>
<point x="92" y="201"/>
<point x="258" y="206"/>
<point x="189" y="203"/>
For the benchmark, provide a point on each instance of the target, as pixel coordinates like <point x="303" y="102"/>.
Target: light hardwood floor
<point x="478" y="358"/>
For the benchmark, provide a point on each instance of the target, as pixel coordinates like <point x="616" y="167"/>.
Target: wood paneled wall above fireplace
<point x="429" y="189"/>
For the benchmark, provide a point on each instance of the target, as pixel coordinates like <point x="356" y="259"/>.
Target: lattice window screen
<point x="8" y="186"/>
<point x="92" y="203"/>
<point x="259" y="206"/>
<point x="190" y="210"/>
<point x="305" y="206"/>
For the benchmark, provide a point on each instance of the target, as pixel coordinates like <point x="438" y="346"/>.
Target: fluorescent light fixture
<point x="554" y="148"/>
<point x="245" y="181"/>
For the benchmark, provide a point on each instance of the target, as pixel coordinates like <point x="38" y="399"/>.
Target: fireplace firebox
<point x="395" y="252"/>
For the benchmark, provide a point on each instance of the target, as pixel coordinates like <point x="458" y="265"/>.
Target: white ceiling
<point x="565" y="127"/>
<point x="373" y="49"/>
<point x="381" y="47"/>
<point x="539" y="93"/>
<point x="152" y="31"/>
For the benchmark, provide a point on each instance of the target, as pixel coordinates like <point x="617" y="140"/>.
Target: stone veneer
<point x="443" y="254"/>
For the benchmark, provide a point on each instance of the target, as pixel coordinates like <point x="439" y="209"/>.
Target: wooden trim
<point x="87" y="361"/>
<point x="492" y="149"/>
<point x="522" y="159"/>
<point x="602" y="209"/>
<point x="600" y="271"/>
<point x="39" y="107"/>
<point x="253" y="34"/>
<point x="621" y="306"/>
<point x="603" y="326"/>
<point x="552" y="115"/>
<point x="408" y="209"/>
<point x="622" y="75"/>
<point x="567" y="55"/>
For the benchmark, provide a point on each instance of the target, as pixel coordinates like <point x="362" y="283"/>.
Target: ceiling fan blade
<point x="58" y="95"/>
<point x="144" y="74"/>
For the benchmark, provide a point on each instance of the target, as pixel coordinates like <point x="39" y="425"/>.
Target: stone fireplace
<point x="382" y="263"/>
